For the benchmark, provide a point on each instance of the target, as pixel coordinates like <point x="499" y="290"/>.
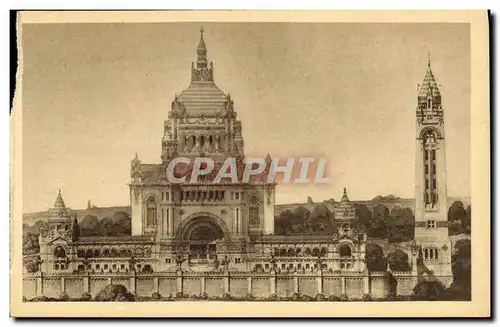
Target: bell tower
<point x="431" y="205"/>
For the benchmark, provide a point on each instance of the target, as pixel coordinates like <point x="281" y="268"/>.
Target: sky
<point x="95" y="94"/>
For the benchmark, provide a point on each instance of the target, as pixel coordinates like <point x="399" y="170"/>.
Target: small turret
<point x="59" y="219"/>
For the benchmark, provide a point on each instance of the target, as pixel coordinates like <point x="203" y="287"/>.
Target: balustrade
<point x="202" y="196"/>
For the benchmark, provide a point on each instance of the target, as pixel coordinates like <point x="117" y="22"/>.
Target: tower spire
<point x="344" y="196"/>
<point x="201" y="71"/>
<point x="429" y="59"/>
<point x="202" y="51"/>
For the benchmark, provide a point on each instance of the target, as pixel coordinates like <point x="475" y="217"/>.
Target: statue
<point x="179" y="260"/>
<point x="430" y="138"/>
<point x="131" y="264"/>
<point x="272" y="261"/>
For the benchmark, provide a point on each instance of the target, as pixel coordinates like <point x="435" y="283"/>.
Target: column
<point x="63" y="285"/>
<point x="342" y="285"/>
<point x="156" y="285"/>
<point x="249" y="284"/>
<point x="39" y="284"/>
<point x="366" y="284"/>
<point x="295" y="283"/>
<point x="167" y="219"/>
<point x="226" y="282"/>
<point x="86" y="283"/>
<point x="273" y="283"/>
<point x="179" y="281"/>
<point x="162" y="220"/>
<point x="171" y="219"/>
<point x="203" y="284"/>
<point x="132" y="283"/>
<point x="319" y="280"/>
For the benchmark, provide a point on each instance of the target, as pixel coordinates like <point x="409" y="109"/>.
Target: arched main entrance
<point x="202" y="231"/>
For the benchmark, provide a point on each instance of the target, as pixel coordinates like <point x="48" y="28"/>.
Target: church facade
<point x="206" y="227"/>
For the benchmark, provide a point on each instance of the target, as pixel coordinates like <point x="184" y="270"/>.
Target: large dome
<point x="202" y="98"/>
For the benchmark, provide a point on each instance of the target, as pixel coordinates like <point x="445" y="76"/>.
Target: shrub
<point x="272" y="297"/>
<point x="428" y="291"/>
<point x="86" y="297"/>
<point x="226" y="296"/>
<point x="390" y="297"/>
<point x="25" y="299"/>
<point x="63" y="297"/>
<point x="296" y="297"/>
<point x="305" y="297"/>
<point x="367" y="297"/>
<point x="333" y="298"/>
<point x="343" y="297"/>
<point x="203" y="296"/>
<point x="115" y="293"/>
<point x="194" y="297"/>
<point x="249" y="296"/>
<point x="320" y="297"/>
<point x="156" y="296"/>
<point x="179" y="295"/>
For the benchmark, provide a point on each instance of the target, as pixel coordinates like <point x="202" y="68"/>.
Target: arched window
<point x="254" y="210"/>
<point x="429" y="103"/>
<point x="345" y="251"/>
<point x="202" y="141"/>
<point x="222" y="141"/>
<point x="211" y="140"/>
<point x="431" y="253"/>
<point x="59" y="252"/>
<point x="151" y="212"/>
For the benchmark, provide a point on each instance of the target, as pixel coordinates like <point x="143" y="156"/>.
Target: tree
<point x="285" y="222"/>
<point x="30" y="243"/>
<point x="400" y="225"/>
<point x="398" y="260"/>
<point x="89" y="226"/>
<point x="75" y="234"/>
<point x="455" y="228"/>
<point x="467" y="220"/>
<point x="375" y="259"/>
<point x="321" y="220"/>
<point x="456" y="212"/>
<point x="461" y="265"/>
<point x="378" y="228"/>
<point x="364" y="215"/>
<point x="114" y="292"/>
<point x="428" y="291"/>
<point x="122" y="223"/>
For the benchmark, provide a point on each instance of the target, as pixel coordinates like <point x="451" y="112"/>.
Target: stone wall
<point x="354" y="285"/>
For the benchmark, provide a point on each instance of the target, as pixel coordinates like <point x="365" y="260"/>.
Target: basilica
<point x="202" y="226"/>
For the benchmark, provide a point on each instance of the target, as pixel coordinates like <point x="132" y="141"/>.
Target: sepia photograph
<point x="183" y="161"/>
